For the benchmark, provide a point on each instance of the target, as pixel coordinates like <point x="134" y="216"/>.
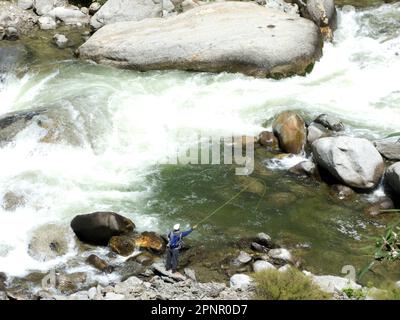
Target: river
<point x="124" y="120"/>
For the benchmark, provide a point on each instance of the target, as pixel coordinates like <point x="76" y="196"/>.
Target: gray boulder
<point x="25" y="4"/>
<point x="354" y="161"/>
<point x="316" y="131"/>
<point x="392" y="177"/>
<point x="240" y="281"/>
<point x="261" y="265"/>
<point x="389" y="147"/>
<point x="330" y="122"/>
<point x="230" y="36"/>
<point x="125" y="10"/>
<point x="60" y="40"/>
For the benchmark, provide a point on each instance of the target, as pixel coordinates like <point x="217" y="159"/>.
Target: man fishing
<point x="174" y="245"/>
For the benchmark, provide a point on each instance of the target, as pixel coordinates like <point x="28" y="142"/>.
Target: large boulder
<point x="229" y="36"/>
<point x="332" y="284"/>
<point x="125" y="10"/>
<point x="354" y="161"/>
<point x="393" y="177"/>
<point x="240" y="281"/>
<point x="99" y="227"/>
<point x="290" y="129"/>
<point x="389" y="147"/>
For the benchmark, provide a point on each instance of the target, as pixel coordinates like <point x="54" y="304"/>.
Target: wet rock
<point x="125" y="10"/>
<point x="268" y="140"/>
<point x="316" y="131"/>
<point x="231" y="29"/>
<point x="374" y="209"/>
<point x="70" y="15"/>
<point x="11" y="33"/>
<point x="264" y="240"/>
<point x="12" y="201"/>
<point x="159" y="268"/>
<point x="99" y="263"/>
<point x="281" y="254"/>
<point x="123" y="245"/>
<point x="144" y="259"/>
<point x="151" y="241"/>
<point x="47" y="23"/>
<point x="306" y="167"/>
<point x="54" y="123"/>
<point x="389" y="147"/>
<point x="99" y="227"/>
<point x="353" y="161"/>
<point x="290" y="129"/>
<point x="282" y="199"/>
<point x="261" y="265"/>
<point x="258" y="247"/>
<point x="392" y="177"/>
<point x="251" y="184"/>
<point x="129" y="268"/>
<point x="323" y="13"/>
<point x="94" y="7"/>
<point x="242" y="281"/>
<point x="70" y="282"/>
<point x="342" y="192"/>
<point x="49" y="241"/>
<point x="25" y="4"/>
<point x="330" y="122"/>
<point x="243" y="258"/>
<point x="60" y="40"/>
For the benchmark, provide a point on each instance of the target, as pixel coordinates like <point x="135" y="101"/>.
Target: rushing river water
<point x="125" y="119"/>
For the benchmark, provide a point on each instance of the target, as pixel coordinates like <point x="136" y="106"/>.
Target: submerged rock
<point x="236" y="32"/>
<point x="12" y="201"/>
<point x="354" y="161"/>
<point x="268" y="140"/>
<point x="393" y="177"/>
<point x="382" y="204"/>
<point x="125" y="10"/>
<point x="99" y="263"/>
<point x="97" y="228"/>
<point x="306" y="167"/>
<point x="60" y="40"/>
<point x="389" y="147"/>
<point x="49" y="242"/>
<point x="342" y="192"/>
<point x="290" y="129"/>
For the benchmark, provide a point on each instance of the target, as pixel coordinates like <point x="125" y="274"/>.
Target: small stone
<point x="261" y="265"/>
<point x="264" y="239"/>
<point x="330" y="122"/>
<point x="240" y="281"/>
<point x="258" y="247"/>
<point x="342" y="192"/>
<point x="282" y="254"/>
<point x="85" y="10"/>
<point x="114" y="296"/>
<point x="243" y="258"/>
<point x="61" y="41"/>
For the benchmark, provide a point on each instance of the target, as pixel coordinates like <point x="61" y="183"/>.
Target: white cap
<point x="177" y="227"/>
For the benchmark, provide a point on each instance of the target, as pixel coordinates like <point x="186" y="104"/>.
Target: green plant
<point x="388" y="246"/>
<point x="355" y="294"/>
<point x="290" y="285"/>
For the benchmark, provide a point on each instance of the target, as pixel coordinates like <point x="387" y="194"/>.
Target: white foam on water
<point x="131" y="121"/>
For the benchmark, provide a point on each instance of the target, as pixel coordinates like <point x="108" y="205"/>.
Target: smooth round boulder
<point x="97" y="228"/>
<point x="230" y="37"/>
<point x="242" y="281"/>
<point x="290" y="129"/>
<point x="392" y="177"/>
<point x="261" y="265"/>
<point x="99" y="263"/>
<point x="330" y="122"/>
<point x="354" y="161"/>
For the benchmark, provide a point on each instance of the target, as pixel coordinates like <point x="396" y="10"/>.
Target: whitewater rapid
<point x="127" y="118"/>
